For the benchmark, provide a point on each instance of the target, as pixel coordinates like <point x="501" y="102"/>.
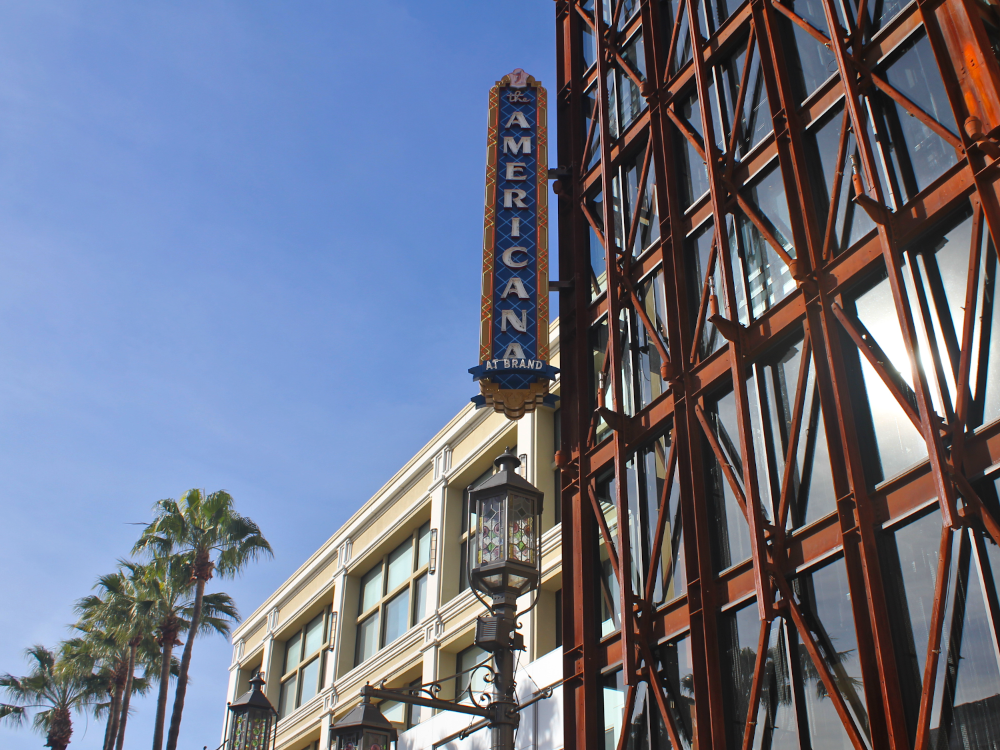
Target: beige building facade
<point x="386" y="598"/>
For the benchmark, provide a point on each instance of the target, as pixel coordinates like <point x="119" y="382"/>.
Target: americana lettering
<point x="518" y="324"/>
<point x="514" y="349"/>
<point x="508" y="257"/>
<point x="515" y="145"/>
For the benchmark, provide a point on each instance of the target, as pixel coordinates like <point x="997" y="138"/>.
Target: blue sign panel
<point x="514" y="372"/>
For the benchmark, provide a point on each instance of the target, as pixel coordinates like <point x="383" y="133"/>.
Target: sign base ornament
<point x="513" y="371"/>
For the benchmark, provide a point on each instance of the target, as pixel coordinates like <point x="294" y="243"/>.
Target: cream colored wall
<point x="474" y="439"/>
<point x="471" y="442"/>
<point x="387" y="520"/>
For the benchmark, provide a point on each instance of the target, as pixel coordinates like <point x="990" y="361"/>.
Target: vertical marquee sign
<point x="513" y="370"/>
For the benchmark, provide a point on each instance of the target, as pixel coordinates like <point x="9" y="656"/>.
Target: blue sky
<point x="240" y="245"/>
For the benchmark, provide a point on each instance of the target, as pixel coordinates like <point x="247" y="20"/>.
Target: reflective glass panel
<point x="286" y="703"/>
<point x="424" y="545"/>
<point x="766" y="278"/>
<point x="897" y="443"/>
<point x="419" y="598"/>
<point x="809" y="62"/>
<point x="598" y="265"/>
<point x="918" y="154"/>
<point x="310" y="680"/>
<point x="293" y="652"/>
<point x="400" y="566"/>
<point x="677" y="671"/>
<point x="772" y="393"/>
<point x="700" y="257"/>
<point x="314" y="634"/>
<point x="367" y="643"/>
<point x="397" y="616"/>
<point x="731" y="540"/>
<point x="692" y="174"/>
<point x="754" y="121"/>
<point x="470" y="678"/>
<point x="371" y="588"/>
<point x="825" y="596"/>
<point x="831" y="181"/>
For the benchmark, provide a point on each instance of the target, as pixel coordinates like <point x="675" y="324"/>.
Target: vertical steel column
<point x="581" y="667"/>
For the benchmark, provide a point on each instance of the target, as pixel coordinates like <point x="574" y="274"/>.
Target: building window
<point x="606" y="583"/>
<point x="598" y="261"/>
<point x="402" y="715"/>
<point x="794" y="708"/>
<point x="302" y="673"/>
<point x="393" y="595"/>
<point x="731" y="537"/>
<point x="967" y="691"/>
<point x="469" y="527"/>
<point x="913" y="154"/>
<point x="471" y="668"/>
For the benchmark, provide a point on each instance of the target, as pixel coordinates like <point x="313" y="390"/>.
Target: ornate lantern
<point x="507" y="560"/>
<point x="252" y="718"/>
<point x="364" y="728"/>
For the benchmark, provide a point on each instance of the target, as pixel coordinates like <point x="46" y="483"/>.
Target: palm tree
<point x="115" y="639"/>
<point x="206" y="530"/>
<point x="52" y="690"/>
<point x="98" y="654"/>
<point x="116" y="612"/>
<point x="166" y="601"/>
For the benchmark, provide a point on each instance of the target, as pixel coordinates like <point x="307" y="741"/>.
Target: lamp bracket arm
<point x="534" y="603"/>
<point x="414" y="700"/>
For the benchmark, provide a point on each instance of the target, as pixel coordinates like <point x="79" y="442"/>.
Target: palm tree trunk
<point x="107" y="726"/>
<point x="182" y="677"/>
<point x="161" y="697"/>
<point x="126" y="699"/>
<point x="115" y="709"/>
<point x="60" y="730"/>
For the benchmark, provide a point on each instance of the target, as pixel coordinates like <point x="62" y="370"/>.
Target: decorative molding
<point x="238" y="650"/>
<point x="272" y="620"/>
<point x="344" y="553"/>
<point x="433" y="630"/>
<point x="442" y="462"/>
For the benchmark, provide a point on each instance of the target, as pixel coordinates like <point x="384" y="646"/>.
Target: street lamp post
<point x="507" y="564"/>
<point x="252" y="718"/>
<point x="506" y="555"/>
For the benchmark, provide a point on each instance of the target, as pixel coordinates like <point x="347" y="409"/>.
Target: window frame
<point x="418" y="571"/>
<point x="304" y="660"/>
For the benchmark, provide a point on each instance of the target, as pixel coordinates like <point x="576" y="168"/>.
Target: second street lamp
<point x="507" y="557"/>
<point x="506" y="564"/>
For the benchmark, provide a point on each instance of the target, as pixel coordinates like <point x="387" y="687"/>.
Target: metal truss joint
<point x="987" y="143"/>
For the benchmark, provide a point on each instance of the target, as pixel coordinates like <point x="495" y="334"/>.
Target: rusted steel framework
<point x="781" y="372"/>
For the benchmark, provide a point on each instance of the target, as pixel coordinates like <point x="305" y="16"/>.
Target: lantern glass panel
<point x="491" y="529"/>
<point x="260" y="723"/>
<point x="350" y="741"/>
<point x="239" y="729"/>
<point x="521" y="531"/>
<point x="376" y="741"/>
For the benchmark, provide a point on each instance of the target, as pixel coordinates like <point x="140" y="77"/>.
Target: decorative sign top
<point x="514" y="372"/>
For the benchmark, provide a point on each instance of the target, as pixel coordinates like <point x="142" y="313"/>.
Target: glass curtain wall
<point x="781" y="389"/>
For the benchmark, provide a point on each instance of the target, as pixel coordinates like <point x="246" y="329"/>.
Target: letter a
<point x="514" y="351"/>
<point x="516" y="286"/>
<point x="519" y="119"/>
<point x="518" y="324"/>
